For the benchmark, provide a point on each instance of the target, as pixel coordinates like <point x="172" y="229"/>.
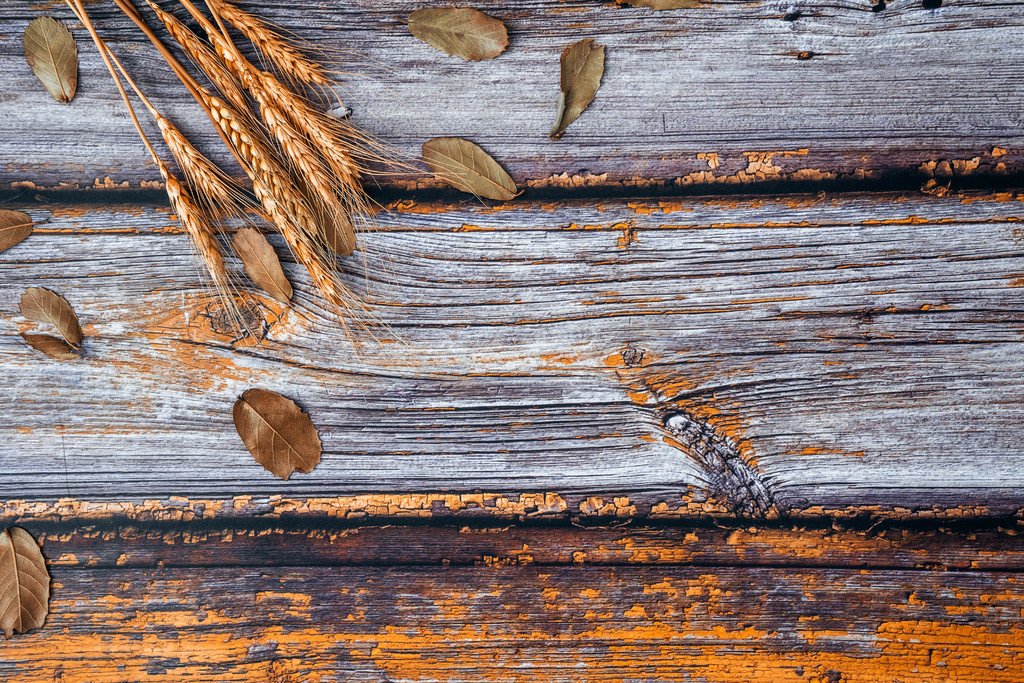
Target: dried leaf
<point x="662" y="4"/>
<point x="14" y="227"/>
<point x="45" y="306"/>
<point x="582" y="68"/>
<point x="51" y="52"/>
<point x="24" y="583"/>
<point x="279" y="435"/>
<point x="466" y="167"/>
<point x="261" y="263"/>
<point x="340" y="237"/>
<point x="460" y="31"/>
<point x="55" y="347"/>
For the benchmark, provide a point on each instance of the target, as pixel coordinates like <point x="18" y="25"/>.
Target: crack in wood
<point x="729" y="474"/>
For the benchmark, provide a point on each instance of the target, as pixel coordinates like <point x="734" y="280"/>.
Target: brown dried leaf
<point x="51" y="52"/>
<point x="662" y="4"/>
<point x="279" y="435"/>
<point x="261" y="263"/>
<point x="24" y="583"/>
<point x="55" y="347"/>
<point x="14" y="227"/>
<point x="582" y="68"/>
<point x="340" y="237"/>
<point x="45" y="306"/>
<point x="460" y="31"/>
<point x="466" y="167"/>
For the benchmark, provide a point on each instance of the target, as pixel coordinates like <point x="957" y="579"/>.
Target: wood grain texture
<point x="764" y="357"/>
<point x="707" y="97"/>
<point x="258" y="543"/>
<point x="170" y="602"/>
<point x="620" y="624"/>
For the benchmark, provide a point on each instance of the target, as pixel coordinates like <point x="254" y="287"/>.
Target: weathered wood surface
<point x="273" y="543"/>
<point x="710" y="96"/>
<point x="800" y="356"/>
<point x="776" y="611"/>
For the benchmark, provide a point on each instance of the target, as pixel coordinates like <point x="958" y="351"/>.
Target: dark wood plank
<point x="798" y="356"/>
<point x="525" y="624"/>
<point x="708" y="97"/>
<point x="79" y="544"/>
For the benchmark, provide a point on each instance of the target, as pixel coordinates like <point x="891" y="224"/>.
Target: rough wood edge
<point x="490" y="506"/>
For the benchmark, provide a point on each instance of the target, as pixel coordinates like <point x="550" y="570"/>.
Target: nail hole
<point x="931" y="4"/>
<point x="792" y="16"/>
<point x="805" y="55"/>
<point x="879" y="7"/>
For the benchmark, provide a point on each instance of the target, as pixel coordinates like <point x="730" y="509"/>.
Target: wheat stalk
<point x="193" y="219"/>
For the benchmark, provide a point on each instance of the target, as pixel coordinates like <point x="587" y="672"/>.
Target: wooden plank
<point x="708" y="97"/>
<point x="799" y="356"/>
<point x="260" y="543"/>
<point x="169" y="602"/>
<point x="525" y="624"/>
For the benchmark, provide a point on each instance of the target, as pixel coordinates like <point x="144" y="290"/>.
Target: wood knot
<point x="633" y="356"/>
<point x="730" y="476"/>
<point x="244" y="322"/>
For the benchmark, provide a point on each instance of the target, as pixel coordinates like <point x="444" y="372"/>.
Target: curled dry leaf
<point x="45" y="306"/>
<point x="662" y="4"/>
<point x="582" y="68"/>
<point x="24" y="583"/>
<point x="460" y="31"/>
<point x="464" y="166"/>
<point x="51" y="52"/>
<point x="279" y="435"/>
<point x="54" y="347"/>
<point x="261" y="263"/>
<point x="14" y="227"/>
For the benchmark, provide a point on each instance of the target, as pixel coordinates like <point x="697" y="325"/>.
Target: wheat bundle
<point x="304" y="165"/>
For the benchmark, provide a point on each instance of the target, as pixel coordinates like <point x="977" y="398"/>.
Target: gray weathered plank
<point x="884" y="93"/>
<point x="788" y="356"/>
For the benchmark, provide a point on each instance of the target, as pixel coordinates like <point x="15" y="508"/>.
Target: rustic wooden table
<point x="723" y="396"/>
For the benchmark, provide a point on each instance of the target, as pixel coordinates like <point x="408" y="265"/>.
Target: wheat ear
<point x="323" y="132"/>
<point x="283" y="202"/>
<point x="203" y="56"/>
<point x="338" y="234"/>
<point x="334" y="230"/>
<point x="198" y="228"/>
<point x="290" y="62"/>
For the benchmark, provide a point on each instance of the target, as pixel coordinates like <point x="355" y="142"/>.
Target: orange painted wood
<point x="783" y="612"/>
